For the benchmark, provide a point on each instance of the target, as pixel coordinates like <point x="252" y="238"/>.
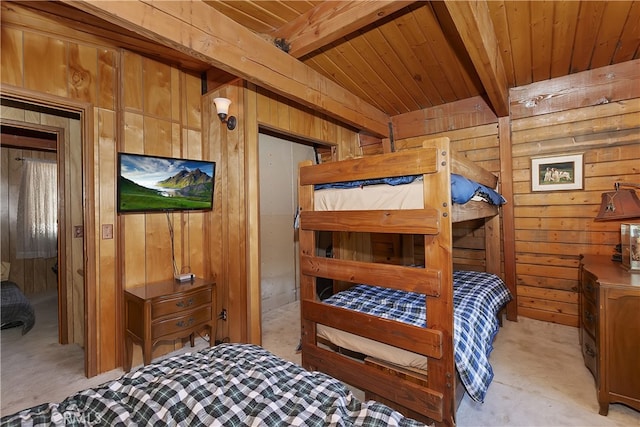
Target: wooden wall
<point x="141" y="105"/>
<point x="596" y="114"/>
<point x="161" y="116"/>
<point x="234" y="232"/>
<point x="134" y="104"/>
<point x="39" y="61"/>
<point x="473" y="131"/>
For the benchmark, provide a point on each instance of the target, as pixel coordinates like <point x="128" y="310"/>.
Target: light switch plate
<point x="107" y="231"/>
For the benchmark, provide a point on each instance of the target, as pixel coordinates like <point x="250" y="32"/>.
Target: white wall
<point x="278" y="165"/>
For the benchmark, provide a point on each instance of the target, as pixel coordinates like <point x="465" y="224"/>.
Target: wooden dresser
<point x="610" y="329"/>
<point x="167" y="310"/>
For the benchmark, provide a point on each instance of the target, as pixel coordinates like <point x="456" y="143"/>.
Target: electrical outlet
<point x="107" y="231"/>
<point x="223" y="314"/>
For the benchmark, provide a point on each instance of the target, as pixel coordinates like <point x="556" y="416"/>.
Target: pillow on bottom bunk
<point x="477" y="298"/>
<point x="230" y="384"/>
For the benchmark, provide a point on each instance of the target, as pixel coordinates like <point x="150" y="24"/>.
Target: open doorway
<point x="31" y="160"/>
<point x="279" y="270"/>
<point x="34" y="136"/>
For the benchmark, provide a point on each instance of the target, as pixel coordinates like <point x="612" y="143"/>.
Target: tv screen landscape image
<point x="152" y="183"/>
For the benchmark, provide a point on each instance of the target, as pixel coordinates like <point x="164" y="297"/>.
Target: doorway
<point x="278" y="177"/>
<point x="37" y="274"/>
<point x="31" y="134"/>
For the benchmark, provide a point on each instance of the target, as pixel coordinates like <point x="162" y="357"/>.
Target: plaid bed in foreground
<point x="227" y="385"/>
<point x="477" y="298"/>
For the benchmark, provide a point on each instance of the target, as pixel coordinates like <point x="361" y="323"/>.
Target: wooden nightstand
<point x="610" y="330"/>
<point x="165" y="311"/>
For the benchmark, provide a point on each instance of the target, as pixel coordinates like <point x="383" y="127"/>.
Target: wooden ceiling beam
<point x="194" y="28"/>
<point x="473" y="23"/>
<point x="330" y="21"/>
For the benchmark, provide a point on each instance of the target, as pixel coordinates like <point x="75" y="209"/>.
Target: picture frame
<point x="557" y="173"/>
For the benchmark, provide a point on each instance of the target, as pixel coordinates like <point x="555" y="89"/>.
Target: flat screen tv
<point x="159" y="184"/>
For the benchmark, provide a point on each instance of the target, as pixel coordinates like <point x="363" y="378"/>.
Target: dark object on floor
<point x="16" y="309"/>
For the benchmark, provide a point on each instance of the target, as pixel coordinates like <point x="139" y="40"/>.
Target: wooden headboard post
<point x="438" y="252"/>
<point x="307" y="247"/>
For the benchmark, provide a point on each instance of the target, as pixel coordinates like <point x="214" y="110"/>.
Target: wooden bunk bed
<point x="430" y="393"/>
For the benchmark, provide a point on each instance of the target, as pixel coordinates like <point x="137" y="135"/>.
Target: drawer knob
<point x="589" y="350"/>
<point x="589" y="317"/>
<point x="183" y="324"/>
<point x="183" y="303"/>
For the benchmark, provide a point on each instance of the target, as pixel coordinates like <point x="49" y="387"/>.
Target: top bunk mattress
<point x="397" y="193"/>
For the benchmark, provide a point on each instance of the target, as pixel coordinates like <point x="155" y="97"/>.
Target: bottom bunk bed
<point x="432" y="329"/>
<point x="478" y="298"/>
<point x="225" y="385"/>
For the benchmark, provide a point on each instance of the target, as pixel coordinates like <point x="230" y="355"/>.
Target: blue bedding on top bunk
<point x="477" y="299"/>
<point x="462" y="189"/>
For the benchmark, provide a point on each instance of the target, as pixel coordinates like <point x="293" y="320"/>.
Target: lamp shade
<point x="222" y="105"/>
<point x="620" y="204"/>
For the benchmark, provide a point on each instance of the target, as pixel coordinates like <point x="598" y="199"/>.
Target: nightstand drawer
<point x="590" y="317"/>
<point x="183" y="302"/>
<point x="181" y="323"/>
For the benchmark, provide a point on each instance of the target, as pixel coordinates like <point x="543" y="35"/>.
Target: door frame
<point x="85" y="111"/>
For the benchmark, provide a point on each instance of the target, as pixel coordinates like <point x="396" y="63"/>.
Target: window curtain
<point x="37" y="222"/>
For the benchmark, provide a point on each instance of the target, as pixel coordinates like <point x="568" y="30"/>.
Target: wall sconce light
<point x="619" y="204"/>
<point x="222" y="107"/>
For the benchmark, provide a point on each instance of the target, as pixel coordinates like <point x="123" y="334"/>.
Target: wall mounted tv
<point x="160" y="184"/>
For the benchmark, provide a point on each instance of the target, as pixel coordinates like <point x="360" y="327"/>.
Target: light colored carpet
<point x="539" y="376"/>
<point x="35" y="369"/>
<point x="540" y="379"/>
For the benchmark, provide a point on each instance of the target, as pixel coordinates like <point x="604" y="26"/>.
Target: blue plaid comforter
<point x="226" y="385"/>
<point x="477" y="298"/>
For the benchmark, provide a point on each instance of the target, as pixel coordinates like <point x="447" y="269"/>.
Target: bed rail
<point x="414" y="162"/>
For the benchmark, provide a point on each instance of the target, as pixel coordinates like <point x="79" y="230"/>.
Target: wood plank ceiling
<point x="388" y="57"/>
<point x="420" y="56"/>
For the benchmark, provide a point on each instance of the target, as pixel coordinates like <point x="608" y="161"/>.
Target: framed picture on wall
<point x="557" y="173"/>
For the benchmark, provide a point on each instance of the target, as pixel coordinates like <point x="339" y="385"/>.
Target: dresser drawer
<point x="181" y="323"/>
<point x="589" y="286"/>
<point x="590" y="354"/>
<point x="170" y="306"/>
<point x="590" y="317"/>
